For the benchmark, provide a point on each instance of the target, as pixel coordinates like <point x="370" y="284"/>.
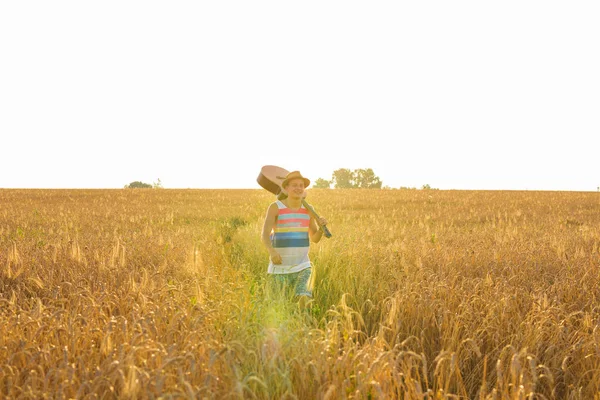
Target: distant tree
<point x="428" y="187"/>
<point x="343" y="178"/>
<point x="366" y="179"/>
<point x="322" y="184"/>
<point x="138" y="185"/>
<point x="157" y="185"/>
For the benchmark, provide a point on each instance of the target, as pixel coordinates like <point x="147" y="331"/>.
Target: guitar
<point x="271" y="177"/>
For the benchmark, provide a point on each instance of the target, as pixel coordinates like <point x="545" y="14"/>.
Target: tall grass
<point x="419" y="294"/>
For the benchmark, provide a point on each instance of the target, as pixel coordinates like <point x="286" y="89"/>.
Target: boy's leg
<point x="302" y="283"/>
<point x="278" y="285"/>
<point x="303" y="288"/>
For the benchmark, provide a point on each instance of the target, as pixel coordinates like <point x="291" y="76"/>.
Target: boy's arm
<point x="268" y="225"/>
<point x="313" y="231"/>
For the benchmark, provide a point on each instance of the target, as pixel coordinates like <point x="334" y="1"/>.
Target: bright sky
<point x="202" y="94"/>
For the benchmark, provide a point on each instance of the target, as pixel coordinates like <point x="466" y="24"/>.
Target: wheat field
<point x="419" y="294"/>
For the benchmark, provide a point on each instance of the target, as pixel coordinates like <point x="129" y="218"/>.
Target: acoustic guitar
<point x="271" y="177"/>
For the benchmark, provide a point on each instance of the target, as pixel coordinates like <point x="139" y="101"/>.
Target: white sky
<point x="201" y="94"/>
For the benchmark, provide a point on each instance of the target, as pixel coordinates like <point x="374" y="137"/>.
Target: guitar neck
<point x="310" y="208"/>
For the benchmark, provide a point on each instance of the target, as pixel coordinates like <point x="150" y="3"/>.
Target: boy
<point x="292" y="228"/>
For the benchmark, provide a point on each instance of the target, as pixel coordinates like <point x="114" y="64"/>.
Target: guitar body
<point x="271" y="177"/>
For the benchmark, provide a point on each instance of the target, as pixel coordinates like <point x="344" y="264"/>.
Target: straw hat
<point x="295" y="175"/>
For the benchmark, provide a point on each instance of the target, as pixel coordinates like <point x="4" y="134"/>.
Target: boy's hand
<point x="275" y="257"/>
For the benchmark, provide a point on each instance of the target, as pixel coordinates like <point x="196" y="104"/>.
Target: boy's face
<point x="295" y="186"/>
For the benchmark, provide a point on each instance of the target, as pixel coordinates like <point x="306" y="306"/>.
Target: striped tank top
<point x="290" y="239"/>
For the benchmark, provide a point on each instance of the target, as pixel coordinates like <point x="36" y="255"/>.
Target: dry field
<point x="420" y="294"/>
